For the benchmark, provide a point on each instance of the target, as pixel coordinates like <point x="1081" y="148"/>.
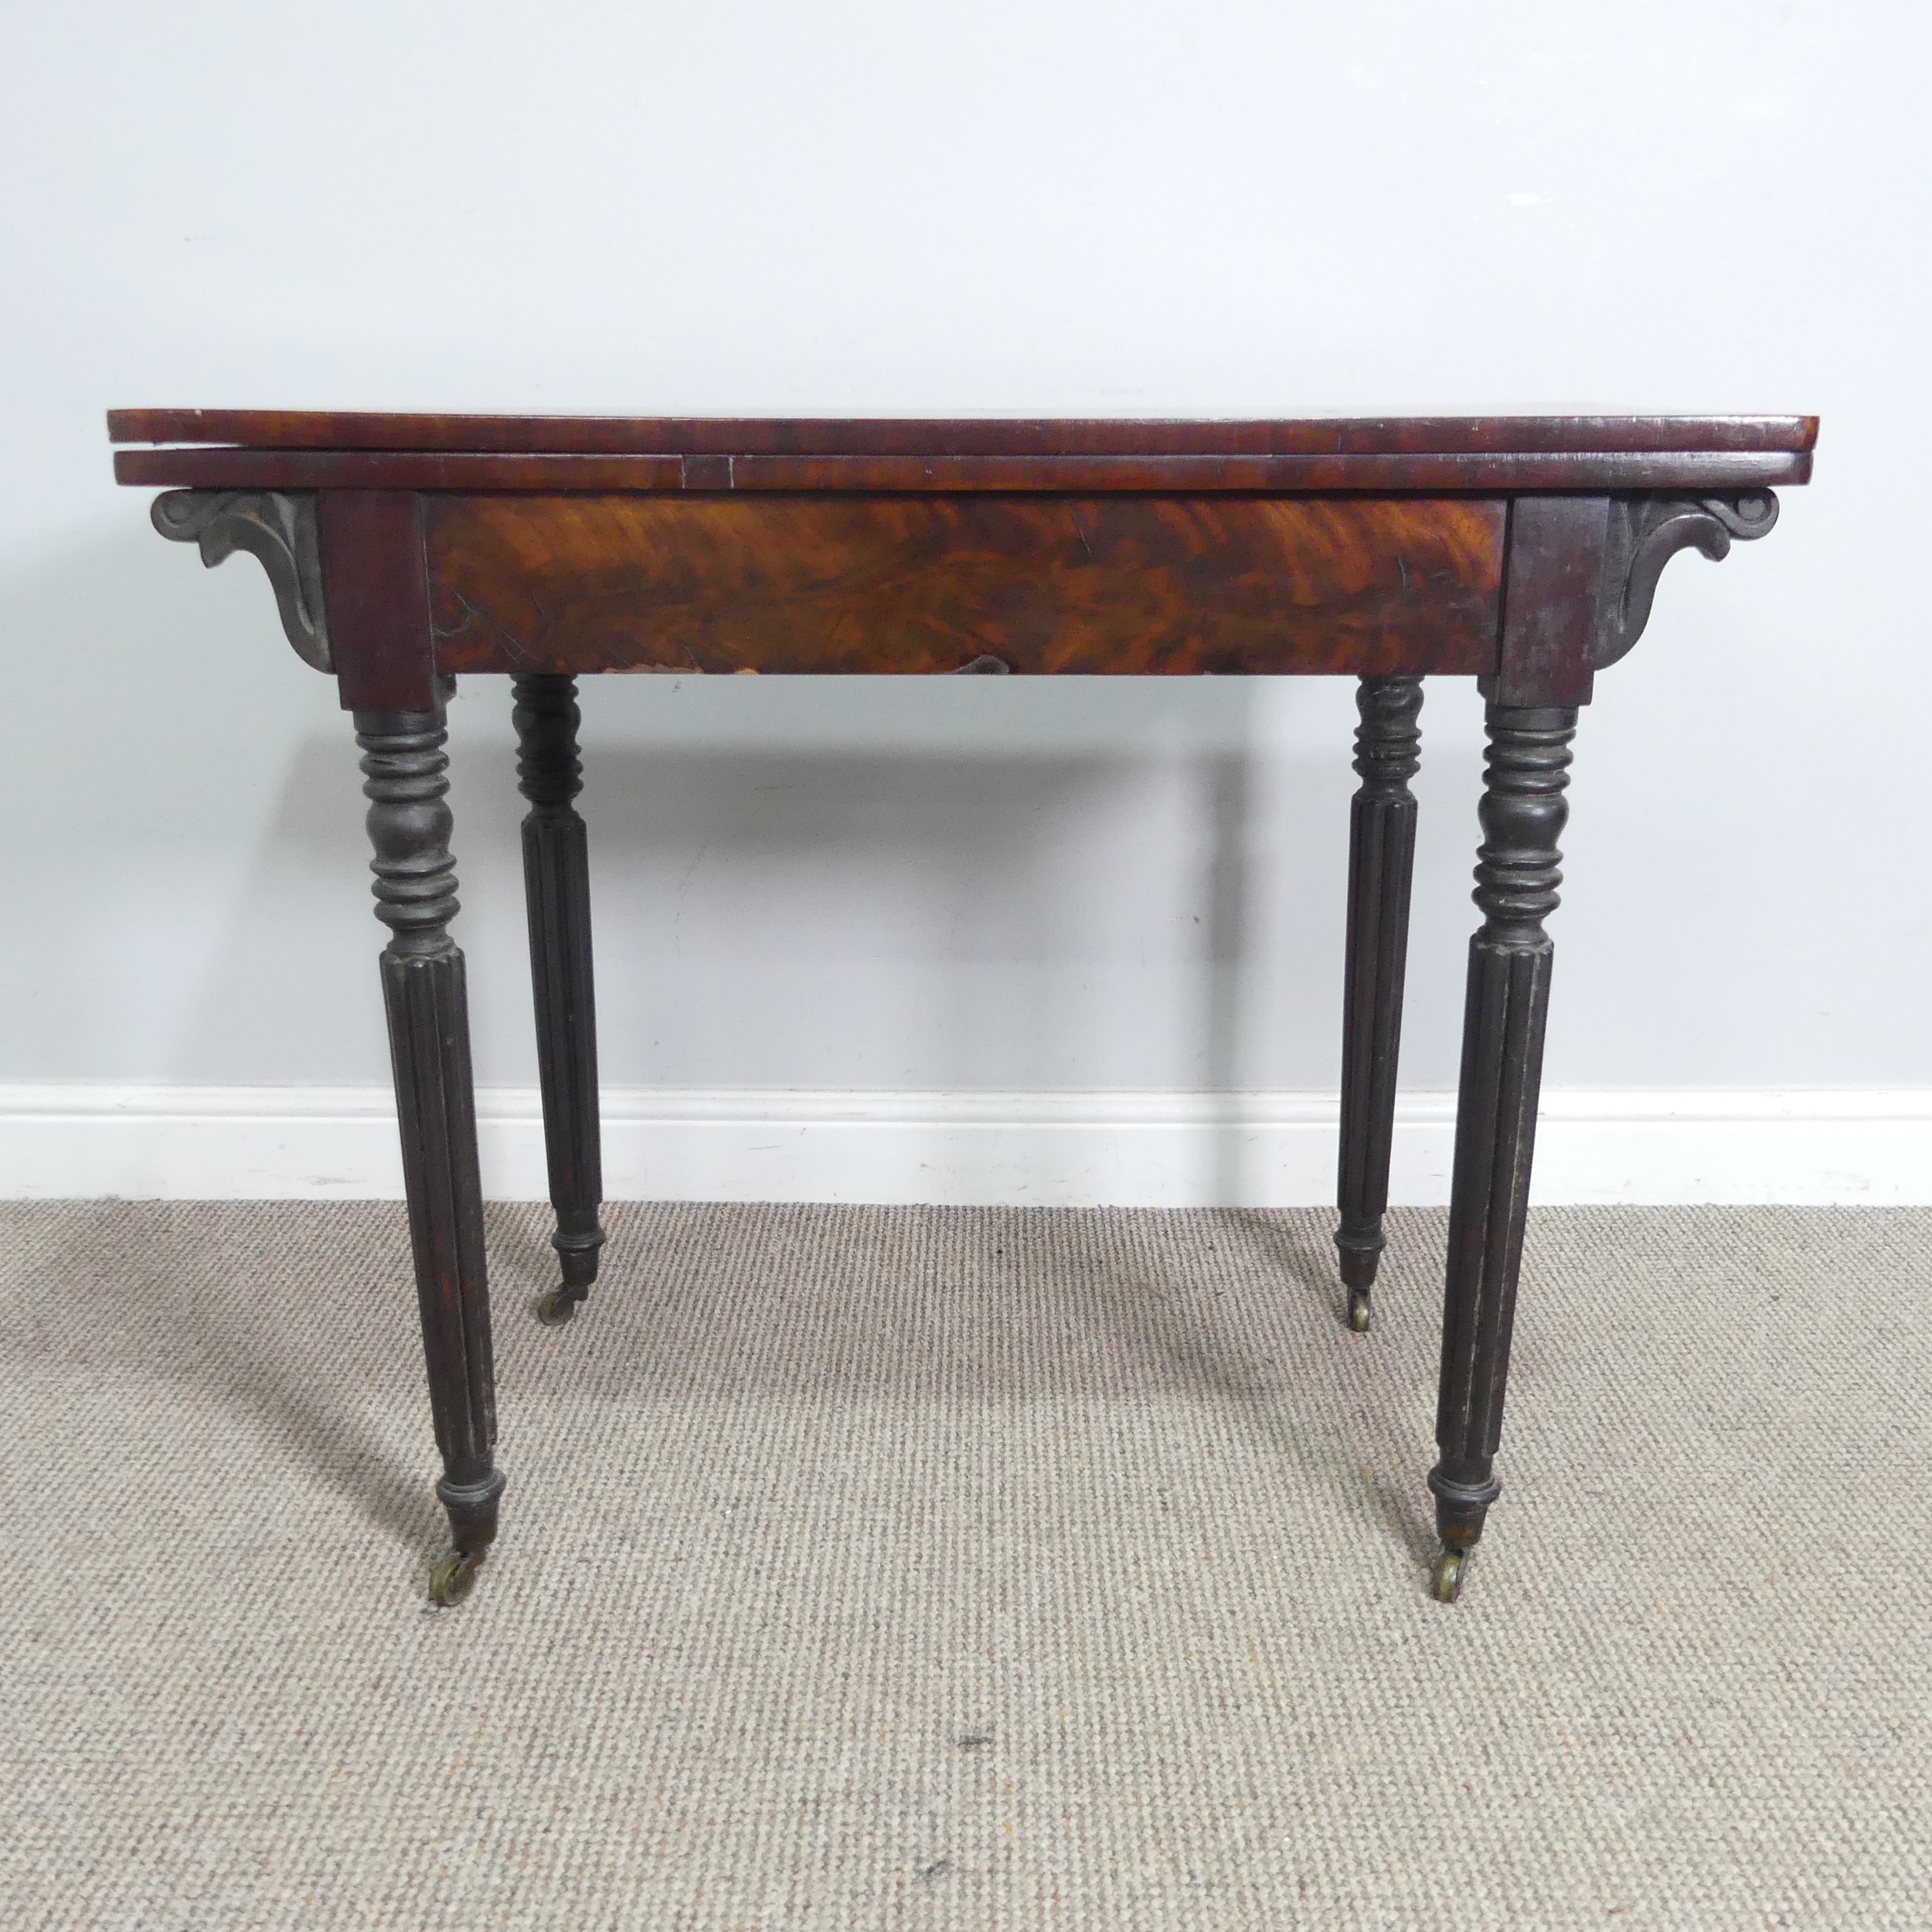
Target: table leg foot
<point x="472" y="1511"/>
<point x="579" y="1241"/>
<point x="454" y="1577"/>
<point x="1360" y="1251"/>
<point x="553" y="1310"/>
<point x="1445" y="1581"/>
<point x="1462" y="1507"/>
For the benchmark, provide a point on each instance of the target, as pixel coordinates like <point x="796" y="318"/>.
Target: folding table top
<point x="272" y="449"/>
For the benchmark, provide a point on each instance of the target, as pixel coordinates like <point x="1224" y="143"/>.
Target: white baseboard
<point x="1134" y="1149"/>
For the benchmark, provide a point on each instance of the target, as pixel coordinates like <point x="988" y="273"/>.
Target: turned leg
<point x="405" y="775"/>
<point x="1382" y="850"/>
<point x="556" y="890"/>
<point x="1522" y="815"/>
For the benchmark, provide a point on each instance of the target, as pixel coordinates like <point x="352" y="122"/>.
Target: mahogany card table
<point x="406" y="551"/>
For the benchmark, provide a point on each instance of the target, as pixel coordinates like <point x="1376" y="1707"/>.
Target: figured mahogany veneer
<point x="912" y="584"/>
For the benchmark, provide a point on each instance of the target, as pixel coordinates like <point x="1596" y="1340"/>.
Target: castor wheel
<point x="1446" y="1585"/>
<point x="1358" y="1310"/>
<point x="454" y="1577"/>
<point x="556" y="1308"/>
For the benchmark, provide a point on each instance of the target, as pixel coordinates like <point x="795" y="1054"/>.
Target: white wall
<point x="1120" y="207"/>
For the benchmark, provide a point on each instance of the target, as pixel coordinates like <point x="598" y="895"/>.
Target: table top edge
<point x="1060" y="437"/>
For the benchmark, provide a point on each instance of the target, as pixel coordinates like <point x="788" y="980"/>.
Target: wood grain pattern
<point x="911" y="584"/>
<point x="1694" y="471"/>
<point x="810" y="436"/>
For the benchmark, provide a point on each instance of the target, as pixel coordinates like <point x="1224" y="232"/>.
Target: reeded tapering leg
<point x="405" y="774"/>
<point x="1523" y="812"/>
<point x="556" y="890"/>
<point x="1382" y="850"/>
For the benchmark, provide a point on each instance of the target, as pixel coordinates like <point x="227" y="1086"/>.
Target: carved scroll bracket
<point x="278" y="527"/>
<point x="1646" y="533"/>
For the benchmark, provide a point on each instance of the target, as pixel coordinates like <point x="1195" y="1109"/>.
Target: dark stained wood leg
<point x="1382" y="850"/>
<point x="405" y="775"/>
<point x="1523" y="811"/>
<point x="556" y="888"/>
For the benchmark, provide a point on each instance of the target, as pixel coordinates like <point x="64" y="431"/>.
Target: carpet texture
<point x="932" y="1567"/>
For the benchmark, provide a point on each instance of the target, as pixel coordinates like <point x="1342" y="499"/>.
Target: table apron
<point x="1224" y="585"/>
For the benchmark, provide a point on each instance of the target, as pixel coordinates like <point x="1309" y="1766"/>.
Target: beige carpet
<point x="947" y="1568"/>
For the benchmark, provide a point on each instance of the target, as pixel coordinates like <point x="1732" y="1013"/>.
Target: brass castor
<point x="454" y="1577"/>
<point x="1358" y="1310"/>
<point x="1446" y="1584"/>
<point x="556" y="1308"/>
